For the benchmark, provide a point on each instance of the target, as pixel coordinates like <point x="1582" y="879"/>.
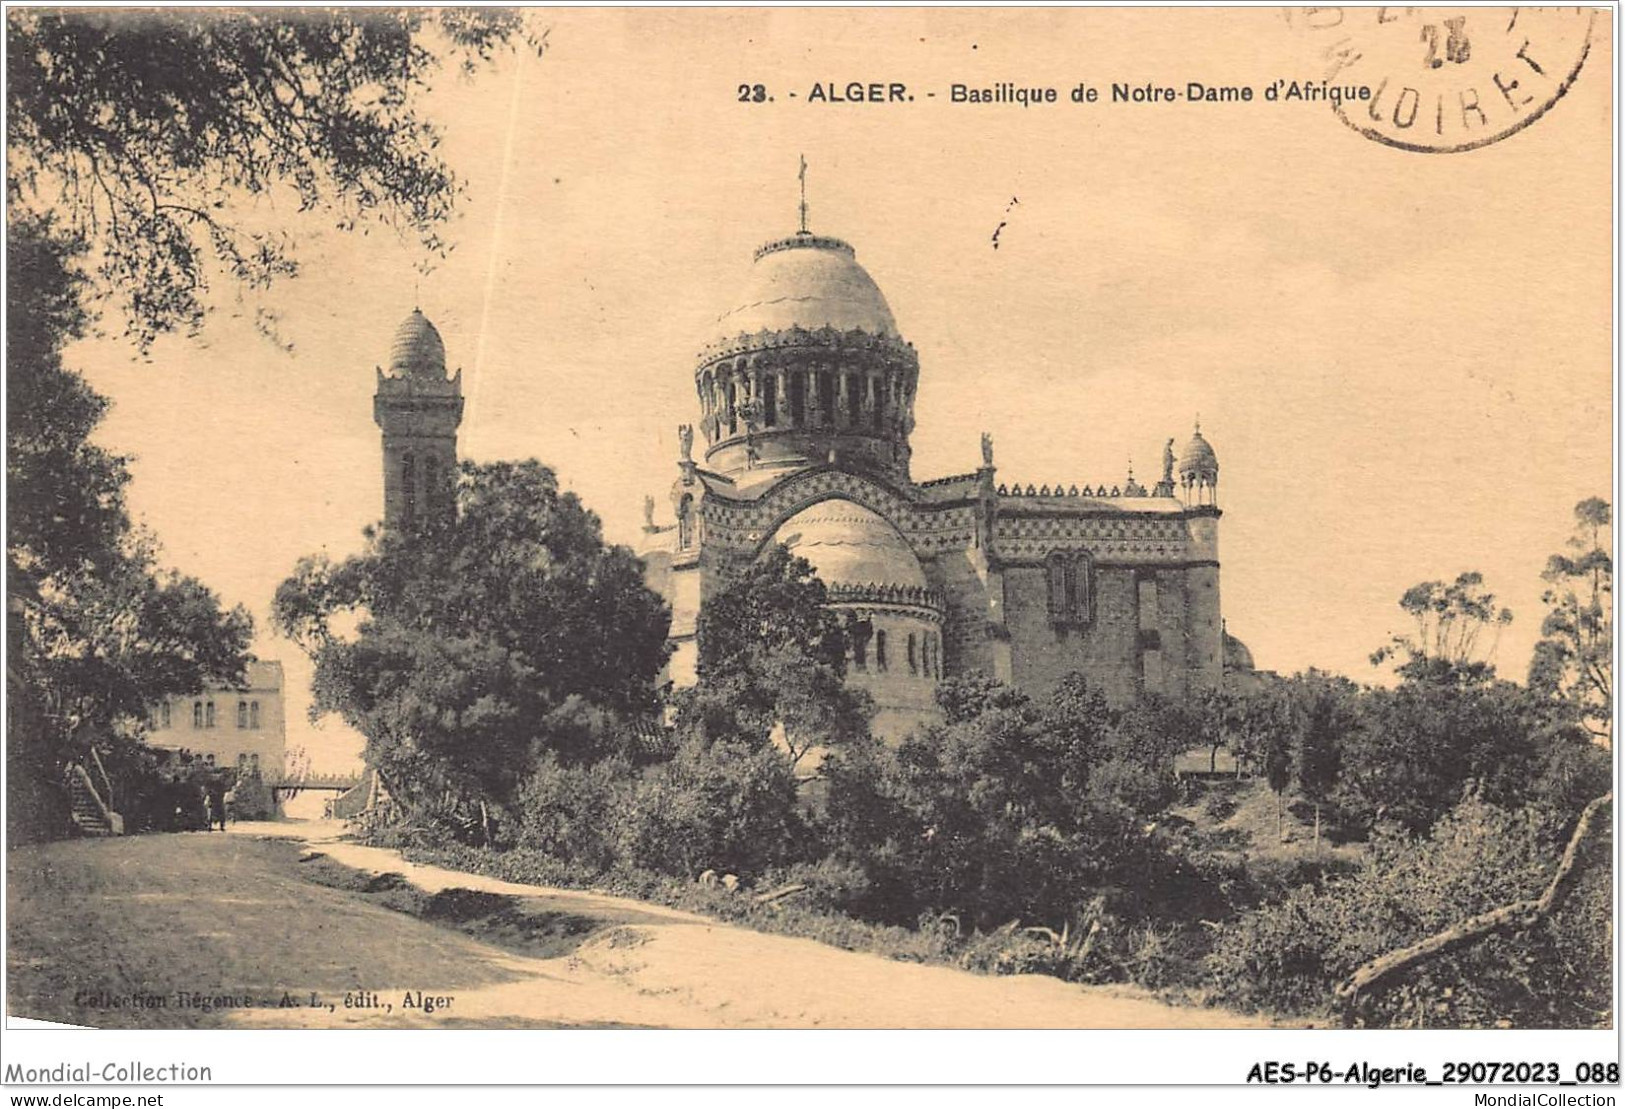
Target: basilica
<point x="805" y="390"/>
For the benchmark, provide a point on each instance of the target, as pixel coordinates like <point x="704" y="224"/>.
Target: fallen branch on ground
<point x="779" y="894"/>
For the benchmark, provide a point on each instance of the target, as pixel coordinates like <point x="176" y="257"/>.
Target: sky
<point x="1403" y="360"/>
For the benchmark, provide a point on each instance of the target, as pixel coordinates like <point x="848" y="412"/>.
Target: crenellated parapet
<point x="926" y="598"/>
<point x="1131" y="490"/>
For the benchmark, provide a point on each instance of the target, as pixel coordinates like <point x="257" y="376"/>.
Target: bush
<point x="1219" y="806"/>
<point x="719" y="806"/>
<point x="569" y="812"/>
<point x="1288" y="956"/>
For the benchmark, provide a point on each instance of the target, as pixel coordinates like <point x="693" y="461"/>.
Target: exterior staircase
<point x="364" y="795"/>
<point x="91" y="814"/>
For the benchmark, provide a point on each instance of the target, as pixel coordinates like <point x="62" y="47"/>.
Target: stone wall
<point x="1106" y="648"/>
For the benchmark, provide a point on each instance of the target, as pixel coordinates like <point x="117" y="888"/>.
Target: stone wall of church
<point x="1150" y="628"/>
<point x="1204" y="657"/>
<point x="1106" y="649"/>
<point x="971" y="594"/>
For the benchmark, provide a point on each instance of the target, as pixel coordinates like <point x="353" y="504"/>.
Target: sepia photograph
<point x="634" y="519"/>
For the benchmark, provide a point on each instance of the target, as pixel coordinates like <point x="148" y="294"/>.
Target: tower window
<point x="242" y="715"/>
<point x="197" y="714"/>
<point x="208" y="714"/>
<point x="880" y="650"/>
<point x="409" y="488"/>
<point x="165" y="719"/>
<point x="431" y="485"/>
<point x="826" y="399"/>
<point x="770" y="401"/>
<point x="254" y="714"/>
<point x="798" y="399"/>
<point x="913" y="662"/>
<point x="733" y="414"/>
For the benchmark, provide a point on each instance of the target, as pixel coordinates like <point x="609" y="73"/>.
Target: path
<point x="96" y="924"/>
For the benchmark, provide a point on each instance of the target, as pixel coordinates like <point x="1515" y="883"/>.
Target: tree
<point x="1326" y="715"/>
<point x="1574" y="660"/>
<point x="505" y="633"/>
<point x="152" y="134"/>
<point x="1216" y="717"/>
<point x="1265" y="736"/>
<point x="772" y="662"/>
<point x="97" y="631"/>
<point x="1450" y="624"/>
<point x="1420" y="747"/>
<point x="1013" y="810"/>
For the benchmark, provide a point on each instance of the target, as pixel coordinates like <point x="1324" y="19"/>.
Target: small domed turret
<point x="1199" y="470"/>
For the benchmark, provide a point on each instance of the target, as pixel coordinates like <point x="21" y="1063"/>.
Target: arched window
<point x="253" y="714"/>
<point x="685" y="522"/>
<point x="733" y="414"/>
<point x="164" y="715"/>
<point x="242" y="715"/>
<point x="208" y="714"/>
<point x="770" y="401"/>
<point x="860" y="644"/>
<point x="409" y="488"/>
<point x="826" y="400"/>
<point x="1069" y="575"/>
<point x="1080" y="580"/>
<point x="197" y="714"/>
<point x="1055" y="576"/>
<point x="798" y="399"/>
<point x="913" y="663"/>
<point x="880" y="650"/>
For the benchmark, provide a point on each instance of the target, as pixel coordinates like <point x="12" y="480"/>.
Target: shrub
<point x="569" y="812"/>
<point x="1289" y="955"/>
<point x="1219" y="806"/>
<point x="719" y="806"/>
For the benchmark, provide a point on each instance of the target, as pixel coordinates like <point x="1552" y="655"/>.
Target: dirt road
<point x="285" y="926"/>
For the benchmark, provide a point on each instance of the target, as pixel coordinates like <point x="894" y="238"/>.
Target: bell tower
<point x="419" y="409"/>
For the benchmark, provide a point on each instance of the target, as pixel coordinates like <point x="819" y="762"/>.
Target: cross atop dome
<point x="803" y="176"/>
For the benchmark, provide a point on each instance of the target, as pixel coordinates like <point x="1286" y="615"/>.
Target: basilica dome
<point x="417" y="349"/>
<point x="811" y="282"/>
<point x="1237" y="658"/>
<point x="850" y="545"/>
